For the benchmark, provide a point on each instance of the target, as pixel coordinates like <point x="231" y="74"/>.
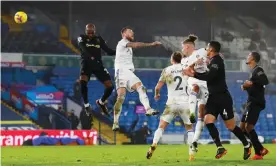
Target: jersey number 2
<point x="179" y="79"/>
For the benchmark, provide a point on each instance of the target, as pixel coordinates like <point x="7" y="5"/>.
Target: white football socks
<point x="198" y="129"/>
<point x="190" y="134"/>
<point x="190" y="140"/>
<point x="157" y="135"/>
<point x="143" y="97"/>
<point x="192" y="102"/>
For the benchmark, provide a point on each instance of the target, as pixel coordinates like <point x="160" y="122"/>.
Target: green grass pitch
<point x="127" y="155"/>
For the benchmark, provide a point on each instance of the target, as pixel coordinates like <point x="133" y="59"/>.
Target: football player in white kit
<point x="125" y="79"/>
<point x="198" y="91"/>
<point x="177" y="103"/>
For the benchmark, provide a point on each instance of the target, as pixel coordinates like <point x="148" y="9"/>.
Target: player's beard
<point x="130" y="38"/>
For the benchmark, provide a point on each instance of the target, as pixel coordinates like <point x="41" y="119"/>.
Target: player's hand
<point x="242" y="88"/>
<point x="207" y="60"/>
<point x="157" y="97"/>
<point x="189" y="72"/>
<point x="247" y="84"/>
<point x="156" y="43"/>
<point x="200" y="61"/>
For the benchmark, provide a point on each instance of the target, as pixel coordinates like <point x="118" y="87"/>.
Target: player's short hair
<point x="215" y="45"/>
<point x="125" y="28"/>
<point x="191" y="39"/>
<point x="256" y="56"/>
<point x="177" y="56"/>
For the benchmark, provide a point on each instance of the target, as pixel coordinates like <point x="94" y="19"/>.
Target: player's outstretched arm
<point x="141" y="44"/>
<point x="106" y="49"/>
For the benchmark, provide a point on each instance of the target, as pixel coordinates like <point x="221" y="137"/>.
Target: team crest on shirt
<point x="98" y="40"/>
<point x="197" y="56"/>
<point x="79" y="39"/>
<point x="87" y="40"/>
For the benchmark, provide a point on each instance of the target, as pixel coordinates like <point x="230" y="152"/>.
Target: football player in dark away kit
<point x="90" y="46"/>
<point x="220" y="101"/>
<point x="255" y="88"/>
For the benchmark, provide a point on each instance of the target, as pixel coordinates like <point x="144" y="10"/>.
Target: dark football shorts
<point x="89" y="67"/>
<point x="252" y="113"/>
<point x="220" y="104"/>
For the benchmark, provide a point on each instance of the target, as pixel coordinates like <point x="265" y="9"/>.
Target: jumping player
<point x="198" y="91"/>
<point x="90" y="46"/>
<point x="177" y="103"/>
<point x="124" y="74"/>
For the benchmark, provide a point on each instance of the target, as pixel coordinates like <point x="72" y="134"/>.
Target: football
<point x="20" y="17"/>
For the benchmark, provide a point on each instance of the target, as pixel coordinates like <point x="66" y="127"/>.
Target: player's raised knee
<point x="108" y="84"/>
<point x="110" y="88"/>
<point x="230" y="125"/>
<point x="144" y="89"/>
<point x="137" y="85"/>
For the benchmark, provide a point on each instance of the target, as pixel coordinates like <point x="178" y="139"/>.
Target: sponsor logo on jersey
<point x="93" y="45"/>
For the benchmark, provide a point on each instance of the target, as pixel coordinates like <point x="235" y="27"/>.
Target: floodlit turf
<point x="171" y="155"/>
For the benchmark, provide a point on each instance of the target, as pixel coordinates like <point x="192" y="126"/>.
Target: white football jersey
<point x="196" y="55"/>
<point x="176" y="84"/>
<point x="124" y="54"/>
<point x="185" y="62"/>
<point x="188" y="61"/>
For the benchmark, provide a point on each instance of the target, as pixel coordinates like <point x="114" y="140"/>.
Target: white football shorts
<point x="173" y="110"/>
<point x="125" y="78"/>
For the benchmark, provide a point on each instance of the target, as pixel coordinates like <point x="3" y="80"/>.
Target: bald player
<point x="91" y="46"/>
